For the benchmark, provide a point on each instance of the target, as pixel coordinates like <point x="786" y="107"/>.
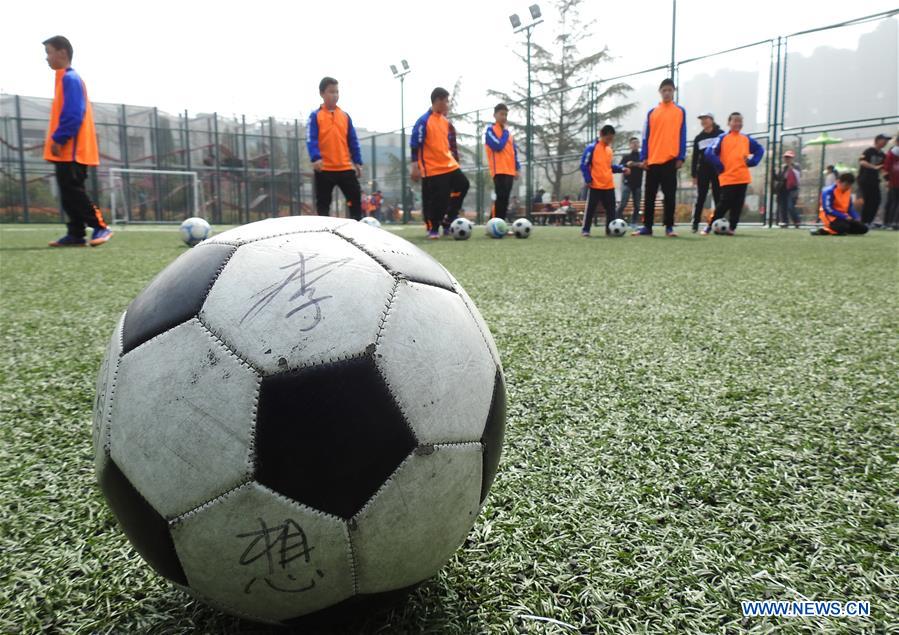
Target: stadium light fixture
<point x="404" y="194"/>
<point x="518" y="27"/>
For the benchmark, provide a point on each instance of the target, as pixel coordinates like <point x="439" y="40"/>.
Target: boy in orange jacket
<point x="71" y="145"/>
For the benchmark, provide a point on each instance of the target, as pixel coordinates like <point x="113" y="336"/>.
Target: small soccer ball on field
<point x="496" y="228"/>
<point x="461" y="229"/>
<point x="522" y="228"/>
<point x="194" y="230"/>
<point x="617" y="227"/>
<point x="370" y="221"/>
<point x="721" y="226"/>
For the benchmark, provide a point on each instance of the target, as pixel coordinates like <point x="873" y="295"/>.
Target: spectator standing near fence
<point x="71" y="146"/>
<point x="334" y="152"/>
<point x="631" y="184"/>
<point x="786" y="186"/>
<point x="870" y="169"/>
<point x="704" y="175"/>
<point x="502" y="159"/>
<point x="732" y="154"/>
<point x="662" y="155"/>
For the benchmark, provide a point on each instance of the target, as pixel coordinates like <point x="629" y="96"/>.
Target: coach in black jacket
<point x="703" y="174"/>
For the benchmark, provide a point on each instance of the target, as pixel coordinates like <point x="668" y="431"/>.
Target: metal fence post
<point x="299" y="152"/>
<point x="23" y="178"/>
<point x="246" y="170"/>
<point x="271" y="166"/>
<point x="217" y="208"/>
<point x="479" y="197"/>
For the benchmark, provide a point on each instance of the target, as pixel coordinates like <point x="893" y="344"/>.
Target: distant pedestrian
<point x="870" y="171"/>
<point x="704" y="175"/>
<point x="786" y="186"/>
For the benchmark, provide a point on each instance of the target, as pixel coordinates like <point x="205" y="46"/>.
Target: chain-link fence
<point x="839" y="79"/>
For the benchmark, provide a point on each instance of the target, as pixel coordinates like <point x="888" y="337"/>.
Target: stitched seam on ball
<point x="178" y="518"/>
<point x="367" y="252"/>
<point x="392" y="394"/>
<point x="239" y="242"/>
<point x="107" y="443"/>
<point x="315" y="364"/>
<point x="216" y="276"/>
<point x="351" y="553"/>
<point x="477" y="323"/>
<point x="382" y="321"/>
<point x="218" y="338"/>
<point x="387" y="481"/>
<point x="227" y="608"/>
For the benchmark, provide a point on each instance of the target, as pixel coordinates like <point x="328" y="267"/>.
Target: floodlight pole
<point x="529" y="133"/>
<point x="407" y="213"/>
<point x="673" y="33"/>
<point x="404" y="195"/>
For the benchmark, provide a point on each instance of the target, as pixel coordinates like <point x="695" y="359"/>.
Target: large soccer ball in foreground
<point x="720" y="226"/>
<point x="299" y="415"/>
<point x="194" y="230"/>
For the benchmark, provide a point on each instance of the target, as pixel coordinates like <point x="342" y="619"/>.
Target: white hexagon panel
<point x="397" y="254"/>
<point x="298" y="300"/>
<point x="274" y="558"/>
<point x="415" y="523"/>
<point x="182" y="419"/>
<point x="437" y="364"/>
<point x="271" y="227"/>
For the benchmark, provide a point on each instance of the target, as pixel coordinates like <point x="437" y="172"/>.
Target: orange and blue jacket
<point x="597" y="166"/>
<point x="433" y="143"/>
<point x="331" y="137"/>
<point x="72" y="122"/>
<point x="502" y="153"/>
<point x="664" y="134"/>
<point x="836" y="203"/>
<point x="728" y="156"/>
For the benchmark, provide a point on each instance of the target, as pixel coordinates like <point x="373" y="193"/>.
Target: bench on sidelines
<point x="575" y="213"/>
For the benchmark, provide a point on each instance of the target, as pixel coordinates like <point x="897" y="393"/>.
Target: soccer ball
<point x="618" y="227"/>
<point x="720" y="226"/>
<point x="370" y="220"/>
<point x="496" y="228"/>
<point x="283" y="426"/>
<point x="194" y="230"/>
<point x="522" y="228"/>
<point x="461" y="229"/>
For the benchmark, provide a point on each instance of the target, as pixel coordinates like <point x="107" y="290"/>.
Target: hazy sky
<point x="265" y="58"/>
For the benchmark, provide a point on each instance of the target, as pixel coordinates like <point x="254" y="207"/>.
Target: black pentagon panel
<point x="494" y="432"/>
<point x="147" y="530"/>
<point x="363" y="613"/>
<point x="329" y="436"/>
<point x="175" y="295"/>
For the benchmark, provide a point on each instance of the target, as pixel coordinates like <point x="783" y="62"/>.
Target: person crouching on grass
<point x="837" y="214"/>
<point x="597" y="168"/>
<point x="732" y="155"/>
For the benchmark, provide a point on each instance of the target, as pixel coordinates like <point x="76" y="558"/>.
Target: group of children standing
<point x="721" y="162"/>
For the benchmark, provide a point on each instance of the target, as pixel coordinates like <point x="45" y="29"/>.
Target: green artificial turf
<point x="691" y="422"/>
